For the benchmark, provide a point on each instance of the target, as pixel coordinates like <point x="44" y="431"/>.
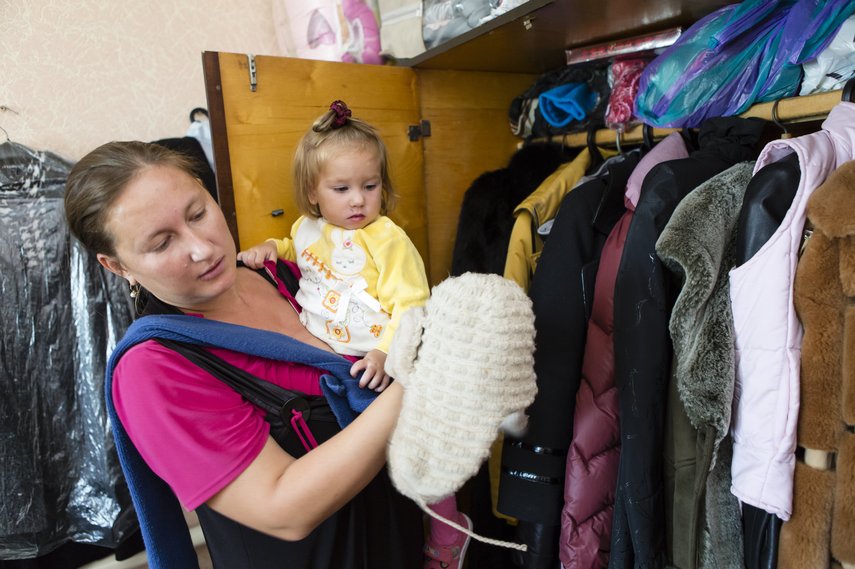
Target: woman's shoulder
<point x="149" y="367"/>
<point x="150" y="351"/>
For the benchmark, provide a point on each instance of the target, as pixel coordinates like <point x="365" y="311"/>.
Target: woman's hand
<point x="374" y="376"/>
<point x="254" y="257"/>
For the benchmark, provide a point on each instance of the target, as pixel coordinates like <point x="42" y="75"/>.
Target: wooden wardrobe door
<point x="470" y="135"/>
<point x="256" y="131"/>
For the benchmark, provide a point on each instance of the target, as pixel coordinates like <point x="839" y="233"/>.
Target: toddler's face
<point x="349" y="192"/>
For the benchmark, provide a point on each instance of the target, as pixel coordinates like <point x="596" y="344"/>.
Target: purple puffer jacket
<point x="592" y="460"/>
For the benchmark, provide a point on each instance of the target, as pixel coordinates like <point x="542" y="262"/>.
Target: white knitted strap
<point x="472" y="534"/>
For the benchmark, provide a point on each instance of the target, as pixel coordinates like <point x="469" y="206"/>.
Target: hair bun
<point x="341" y="113"/>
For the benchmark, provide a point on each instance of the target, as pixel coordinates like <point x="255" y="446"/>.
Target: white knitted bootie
<point x="466" y="362"/>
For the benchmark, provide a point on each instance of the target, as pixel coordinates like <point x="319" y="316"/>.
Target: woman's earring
<point x="138" y="298"/>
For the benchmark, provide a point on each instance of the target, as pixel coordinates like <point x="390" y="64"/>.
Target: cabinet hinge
<point x="416" y="131"/>
<point x="253" y="77"/>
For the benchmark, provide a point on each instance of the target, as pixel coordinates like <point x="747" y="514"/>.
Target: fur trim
<point x="831" y="208"/>
<point x="698" y="243"/>
<point x="806" y="536"/>
<point x="848" y="373"/>
<point x="843" y="517"/>
<point x="487" y="210"/>
<point x="723" y="532"/>
<point x="847" y="264"/>
<point x="818" y="298"/>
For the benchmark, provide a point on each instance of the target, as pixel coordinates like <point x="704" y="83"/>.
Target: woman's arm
<point x="288" y="498"/>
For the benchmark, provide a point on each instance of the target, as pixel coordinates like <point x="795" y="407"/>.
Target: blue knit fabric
<point x="565" y="103"/>
<point x="167" y="539"/>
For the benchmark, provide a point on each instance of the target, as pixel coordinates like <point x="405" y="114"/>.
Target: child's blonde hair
<point x="336" y="128"/>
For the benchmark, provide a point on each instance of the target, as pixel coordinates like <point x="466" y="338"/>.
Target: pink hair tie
<point x="341" y="113"/>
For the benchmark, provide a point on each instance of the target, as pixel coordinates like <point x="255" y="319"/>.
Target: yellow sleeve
<point x="520" y="246"/>
<point x="285" y="246"/>
<point x="401" y="282"/>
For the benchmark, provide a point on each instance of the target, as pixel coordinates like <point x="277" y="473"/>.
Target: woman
<point x="148" y="219"/>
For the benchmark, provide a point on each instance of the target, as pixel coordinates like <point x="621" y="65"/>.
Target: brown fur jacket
<point x="822" y="528"/>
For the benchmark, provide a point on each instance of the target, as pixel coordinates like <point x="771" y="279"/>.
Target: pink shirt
<point x="194" y="431"/>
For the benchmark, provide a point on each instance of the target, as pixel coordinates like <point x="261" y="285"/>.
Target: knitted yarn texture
<point x="473" y="367"/>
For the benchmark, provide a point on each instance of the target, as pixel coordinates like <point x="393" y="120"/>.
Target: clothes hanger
<point x="593" y="150"/>
<point x="199" y="114"/>
<point x="647" y="138"/>
<point x="849" y="91"/>
<point x="4" y="108"/>
<point x="775" y="119"/>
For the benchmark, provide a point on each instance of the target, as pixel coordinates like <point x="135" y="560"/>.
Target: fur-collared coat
<point x="643" y="298"/>
<point x="823" y="523"/>
<point x="698" y="245"/>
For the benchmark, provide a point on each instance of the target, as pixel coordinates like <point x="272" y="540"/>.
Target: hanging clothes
<point x="594" y="454"/>
<point x="769" y="196"/>
<point x="481" y="246"/>
<point x="824" y="294"/>
<point x="61" y="315"/>
<point x="533" y="466"/>
<point x="524" y="245"/>
<point x="768" y="346"/>
<point x="644" y="294"/>
<point x="487" y="211"/>
<point x="698" y="247"/>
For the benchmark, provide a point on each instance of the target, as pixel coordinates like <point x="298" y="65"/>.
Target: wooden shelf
<point x="532" y="37"/>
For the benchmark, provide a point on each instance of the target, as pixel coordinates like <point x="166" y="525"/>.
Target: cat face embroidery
<point x="348" y="258"/>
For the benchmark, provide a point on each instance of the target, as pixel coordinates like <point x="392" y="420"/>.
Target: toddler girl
<point x="359" y="270"/>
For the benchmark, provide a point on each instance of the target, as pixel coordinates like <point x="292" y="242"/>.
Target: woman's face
<point x="171" y="238"/>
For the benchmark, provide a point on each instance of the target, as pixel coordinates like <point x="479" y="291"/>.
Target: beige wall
<point x="79" y="73"/>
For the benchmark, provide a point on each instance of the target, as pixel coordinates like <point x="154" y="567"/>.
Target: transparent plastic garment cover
<point x="61" y="314"/>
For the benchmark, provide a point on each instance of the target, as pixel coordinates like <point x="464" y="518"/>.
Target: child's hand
<point x="254" y="257"/>
<point x="374" y="377"/>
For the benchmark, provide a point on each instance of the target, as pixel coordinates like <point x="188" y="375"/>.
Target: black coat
<point x="532" y="479"/>
<point x="487" y="211"/>
<point x="644" y="296"/>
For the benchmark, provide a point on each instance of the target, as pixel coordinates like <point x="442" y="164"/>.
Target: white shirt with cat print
<point x="355" y="283"/>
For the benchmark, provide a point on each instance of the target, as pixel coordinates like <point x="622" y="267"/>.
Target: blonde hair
<point x="336" y="128"/>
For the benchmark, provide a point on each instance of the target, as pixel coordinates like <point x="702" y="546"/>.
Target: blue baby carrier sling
<point x="164" y="530"/>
